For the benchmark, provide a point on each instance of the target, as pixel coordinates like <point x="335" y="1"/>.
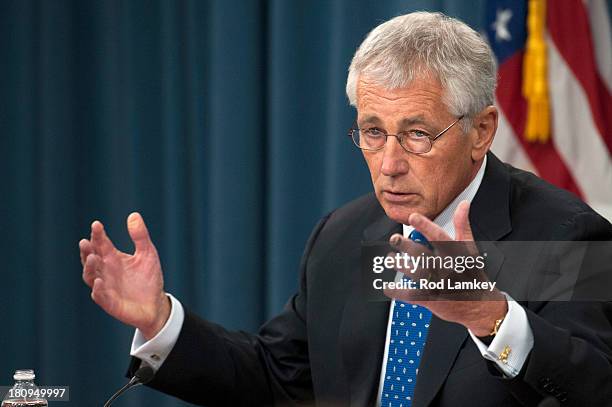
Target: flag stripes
<point x="578" y="156"/>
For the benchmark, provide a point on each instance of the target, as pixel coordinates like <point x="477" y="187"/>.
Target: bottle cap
<point x="26" y="374"/>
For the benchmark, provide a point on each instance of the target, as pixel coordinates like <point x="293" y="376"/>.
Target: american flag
<point x="569" y="43"/>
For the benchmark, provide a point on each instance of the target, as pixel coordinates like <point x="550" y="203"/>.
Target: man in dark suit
<point x="423" y="88"/>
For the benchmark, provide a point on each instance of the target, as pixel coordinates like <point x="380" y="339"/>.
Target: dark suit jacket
<point x="326" y="346"/>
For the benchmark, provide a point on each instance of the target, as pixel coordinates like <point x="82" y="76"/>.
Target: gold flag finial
<point x="535" y="83"/>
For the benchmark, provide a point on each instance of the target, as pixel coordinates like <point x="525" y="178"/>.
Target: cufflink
<point x="503" y="356"/>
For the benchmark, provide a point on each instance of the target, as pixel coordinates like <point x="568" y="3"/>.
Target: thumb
<point x="463" y="230"/>
<point x="138" y="232"/>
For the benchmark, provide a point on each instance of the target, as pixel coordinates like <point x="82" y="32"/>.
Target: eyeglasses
<point x="413" y="141"/>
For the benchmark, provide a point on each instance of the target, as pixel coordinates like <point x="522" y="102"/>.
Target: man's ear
<point x="485" y="126"/>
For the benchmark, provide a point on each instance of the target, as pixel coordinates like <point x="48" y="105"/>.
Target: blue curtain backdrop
<point x="222" y="122"/>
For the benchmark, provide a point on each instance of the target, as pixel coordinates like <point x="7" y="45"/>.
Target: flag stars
<point x="500" y="25"/>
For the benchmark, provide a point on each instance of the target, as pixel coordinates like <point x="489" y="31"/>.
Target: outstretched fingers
<point x="85" y="249"/>
<point x="461" y="219"/>
<point x="139" y="233"/>
<point x="91" y="268"/>
<point x="100" y="242"/>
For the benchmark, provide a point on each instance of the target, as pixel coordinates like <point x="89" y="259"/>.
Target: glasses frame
<point x="400" y="137"/>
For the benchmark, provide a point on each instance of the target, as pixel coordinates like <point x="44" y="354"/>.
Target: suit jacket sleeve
<point x="212" y="366"/>
<point x="571" y="359"/>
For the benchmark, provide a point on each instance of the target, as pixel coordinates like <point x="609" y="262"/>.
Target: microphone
<point x="549" y="402"/>
<point x="142" y="376"/>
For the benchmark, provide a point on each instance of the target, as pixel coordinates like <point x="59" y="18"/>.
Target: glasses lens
<point x="369" y="139"/>
<point x="416" y="145"/>
<point x="355" y="136"/>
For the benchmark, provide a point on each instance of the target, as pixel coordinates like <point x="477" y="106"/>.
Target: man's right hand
<point x="128" y="287"/>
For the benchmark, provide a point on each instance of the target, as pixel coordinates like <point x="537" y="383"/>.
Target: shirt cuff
<point x="512" y="343"/>
<point x="155" y="351"/>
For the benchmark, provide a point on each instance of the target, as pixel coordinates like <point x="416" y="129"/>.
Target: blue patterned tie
<point x="409" y="328"/>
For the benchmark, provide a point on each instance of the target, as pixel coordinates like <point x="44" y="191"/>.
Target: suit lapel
<point x="444" y="340"/>
<point x="490" y="208"/>
<point x="362" y="338"/>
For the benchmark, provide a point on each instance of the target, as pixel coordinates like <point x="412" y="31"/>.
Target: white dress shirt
<point x="514" y="333"/>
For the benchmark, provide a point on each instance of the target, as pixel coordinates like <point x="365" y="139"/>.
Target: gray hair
<point x="409" y="46"/>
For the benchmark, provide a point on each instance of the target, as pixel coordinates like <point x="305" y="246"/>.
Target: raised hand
<point x="477" y="310"/>
<point x="129" y="287"/>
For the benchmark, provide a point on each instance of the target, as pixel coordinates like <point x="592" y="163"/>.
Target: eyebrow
<point x="405" y="122"/>
<point x="413" y="120"/>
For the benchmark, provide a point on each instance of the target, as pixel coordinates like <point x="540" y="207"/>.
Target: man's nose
<point x="395" y="158"/>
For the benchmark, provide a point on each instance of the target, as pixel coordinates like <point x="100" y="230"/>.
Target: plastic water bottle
<point x="24" y="393"/>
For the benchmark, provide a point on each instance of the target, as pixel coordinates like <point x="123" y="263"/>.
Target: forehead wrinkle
<point x="398" y="99"/>
<point x="369" y="91"/>
<point x="375" y="87"/>
<point x="389" y="95"/>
